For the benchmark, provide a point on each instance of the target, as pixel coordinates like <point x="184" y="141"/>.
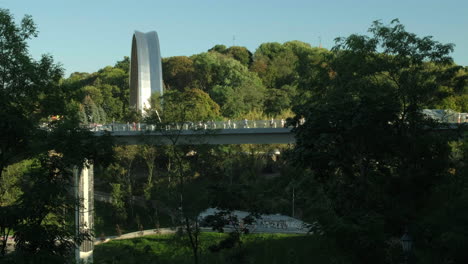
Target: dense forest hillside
<point x="266" y="83"/>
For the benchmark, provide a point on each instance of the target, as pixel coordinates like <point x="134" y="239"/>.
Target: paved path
<point x="163" y="231"/>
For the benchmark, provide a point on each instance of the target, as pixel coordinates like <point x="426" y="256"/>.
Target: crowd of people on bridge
<point x="200" y="125"/>
<point x="210" y="124"/>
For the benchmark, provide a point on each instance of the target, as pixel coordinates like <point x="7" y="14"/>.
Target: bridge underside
<point x="210" y="137"/>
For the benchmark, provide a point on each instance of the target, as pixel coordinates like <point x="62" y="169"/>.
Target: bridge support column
<point x="84" y="219"/>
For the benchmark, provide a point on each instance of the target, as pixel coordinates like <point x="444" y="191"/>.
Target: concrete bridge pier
<point x="84" y="219"/>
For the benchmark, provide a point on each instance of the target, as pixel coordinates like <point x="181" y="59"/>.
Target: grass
<point x="256" y="248"/>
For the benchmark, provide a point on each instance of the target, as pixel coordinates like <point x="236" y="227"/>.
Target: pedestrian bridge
<point x="211" y="132"/>
<point x="209" y="136"/>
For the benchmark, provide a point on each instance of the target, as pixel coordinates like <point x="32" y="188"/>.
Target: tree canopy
<point x="190" y="105"/>
<point x="26" y="87"/>
<point x="369" y="150"/>
<point x="30" y="93"/>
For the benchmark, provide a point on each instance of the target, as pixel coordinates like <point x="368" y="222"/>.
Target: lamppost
<point x="406" y="244"/>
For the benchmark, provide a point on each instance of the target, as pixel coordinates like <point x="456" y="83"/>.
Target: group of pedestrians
<point x="211" y="124"/>
<point x="248" y="124"/>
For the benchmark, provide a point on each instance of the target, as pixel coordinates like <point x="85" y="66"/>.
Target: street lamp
<point x="406" y="244"/>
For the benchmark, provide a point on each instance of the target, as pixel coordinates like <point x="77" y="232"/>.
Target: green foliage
<point x="219" y="221"/>
<point x="218" y="48"/>
<point x="124" y="65"/>
<point x="264" y="66"/>
<point x="274" y="79"/>
<point x="149" y="154"/>
<point x="442" y="225"/>
<point x="229" y="83"/>
<point x="456" y="103"/>
<point x="108" y="89"/>
<point x="26" y="86"/>
<point x="43" y="233"/>
<point x="279" y="100"/>
<point x="10" y="183"/>
<point x="189" y="105"/>
<point x="454" y="93"/>
<point x="178" y="73"/>
<point x="371" y="154"/>
<point x="132" y="115"/>
<point x="37" y="214"/>
<point x="283" y="68"/>
<point x="118" y="204"/>
<point x="241" y="54"/>
<point x="91" y="113"/>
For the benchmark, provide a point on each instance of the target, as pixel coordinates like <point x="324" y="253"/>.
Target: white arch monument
<point x="145" y="69"/>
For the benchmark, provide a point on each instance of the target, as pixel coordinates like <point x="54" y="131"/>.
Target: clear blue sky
<point x="87" y="35"/>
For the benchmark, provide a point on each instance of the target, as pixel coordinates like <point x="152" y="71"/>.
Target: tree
<point x="283" y="68"/>
<point x="184" y="204"/>
<point x="119" y="78"/>
<point x="118" y="203"/>
<point x="229" y="83"/>
<point x="454" y="94"/>
<point x="218" y="48"/>
<point x="178" y="73"/>
<point x="25" y="84"/>
<point x="262" y="61"/>
<point x="443" y="222"/>
<point x="241" y="54"/>
<point x="124" y="64"/>
<point x="189" y="105"/>
<point x="38" y="217"/>
<point x="108" y="88"/>
<point x="92" y="112"/>
<point x="369" y="149"/>
<point x="278" y="100"/>
<point x="122" y="168"/>
<point x="44" y="233"/>
<point x="149" y="154"/>
<point x="113" y="84"/>
<point x="227" y="218"/>
<point x="182" y="163"/>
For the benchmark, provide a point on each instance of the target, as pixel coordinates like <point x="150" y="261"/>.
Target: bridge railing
<point x="200" y="125"/>
<point x="458" y="118"/>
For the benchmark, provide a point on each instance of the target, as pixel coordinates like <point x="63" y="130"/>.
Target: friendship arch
<point x="145" y="69"/>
